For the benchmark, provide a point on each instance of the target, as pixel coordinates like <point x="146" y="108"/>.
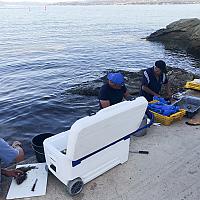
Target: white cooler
<point x="94" y="144"/>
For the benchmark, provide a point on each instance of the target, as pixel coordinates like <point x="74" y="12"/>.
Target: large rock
<point x="178" y="78"/>
<point x="182" y="34"/>
<point x="91" y="88"/>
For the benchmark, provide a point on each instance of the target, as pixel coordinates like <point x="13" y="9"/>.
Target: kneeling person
<point x="114" y="91"/>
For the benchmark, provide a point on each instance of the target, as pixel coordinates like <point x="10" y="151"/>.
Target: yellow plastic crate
<point x="192" y="85"/>
<point x="168" y="120"/>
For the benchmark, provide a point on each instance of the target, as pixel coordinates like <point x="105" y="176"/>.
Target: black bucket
<point x="37" y="144"/>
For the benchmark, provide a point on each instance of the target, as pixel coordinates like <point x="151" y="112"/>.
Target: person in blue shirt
<point x="8" y="154"/>
<point x="153" y="79"/>
<point x="114" y="91"/>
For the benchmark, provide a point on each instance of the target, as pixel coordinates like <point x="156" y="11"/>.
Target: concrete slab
<point x="170" y="171"/>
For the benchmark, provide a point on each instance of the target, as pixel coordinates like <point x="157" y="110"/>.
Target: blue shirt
<point x="149" y="79"/>
<point x="107" y="93"/>
<point x="7" y="154"/>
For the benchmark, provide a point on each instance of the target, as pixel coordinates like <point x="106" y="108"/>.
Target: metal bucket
<point x="143" y="131"/>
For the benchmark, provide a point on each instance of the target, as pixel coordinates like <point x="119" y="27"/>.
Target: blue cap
<point x="116" y="78"/>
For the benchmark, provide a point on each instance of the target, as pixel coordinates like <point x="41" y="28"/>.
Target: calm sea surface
<point x="45" y="53"/>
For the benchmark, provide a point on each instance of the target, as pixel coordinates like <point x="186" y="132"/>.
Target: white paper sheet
<point x="24" y="190"/>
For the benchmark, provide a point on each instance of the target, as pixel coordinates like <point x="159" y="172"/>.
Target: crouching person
<point x="153" y="79"/>
<point x="113" y="91"/>
<point x="9" y="154"/>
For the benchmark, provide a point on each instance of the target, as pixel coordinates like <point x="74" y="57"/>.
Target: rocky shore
<point x="177" y="77"/>
<point x="182" y="35"/>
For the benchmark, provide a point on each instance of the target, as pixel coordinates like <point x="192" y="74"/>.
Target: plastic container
<point x="192" y="85"/>
<point x="37" y="144"/>
<point x="168" y="120"/>
<point x="165" y="120"/>
<point x="178" y="95"/>
<point x="190" y="104"/>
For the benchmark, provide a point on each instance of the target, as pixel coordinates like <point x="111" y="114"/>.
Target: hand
<point x="16" y="144"/>
<point x="129" y="98"/>
<point x="12" y="172"/>
<point x="157" y="95"/>
<point x="169" y="95"/>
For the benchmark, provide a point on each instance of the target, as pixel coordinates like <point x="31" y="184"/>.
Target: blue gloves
<point x="163" y="100"/>
<point x="163" y="109"/>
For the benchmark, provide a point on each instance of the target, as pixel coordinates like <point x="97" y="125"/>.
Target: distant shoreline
<point x="108" y="2"/>
<point x="132" y="3"/>
<point x="128" y="2"/>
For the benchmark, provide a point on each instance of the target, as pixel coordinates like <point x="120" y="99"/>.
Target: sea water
<point x="45" y="52"/>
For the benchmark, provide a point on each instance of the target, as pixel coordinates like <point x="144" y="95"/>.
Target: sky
<point x="43" y="1"/>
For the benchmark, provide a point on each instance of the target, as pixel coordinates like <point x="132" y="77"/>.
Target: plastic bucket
<point x="143" y="131"/>
<point x="37" y="144"/>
